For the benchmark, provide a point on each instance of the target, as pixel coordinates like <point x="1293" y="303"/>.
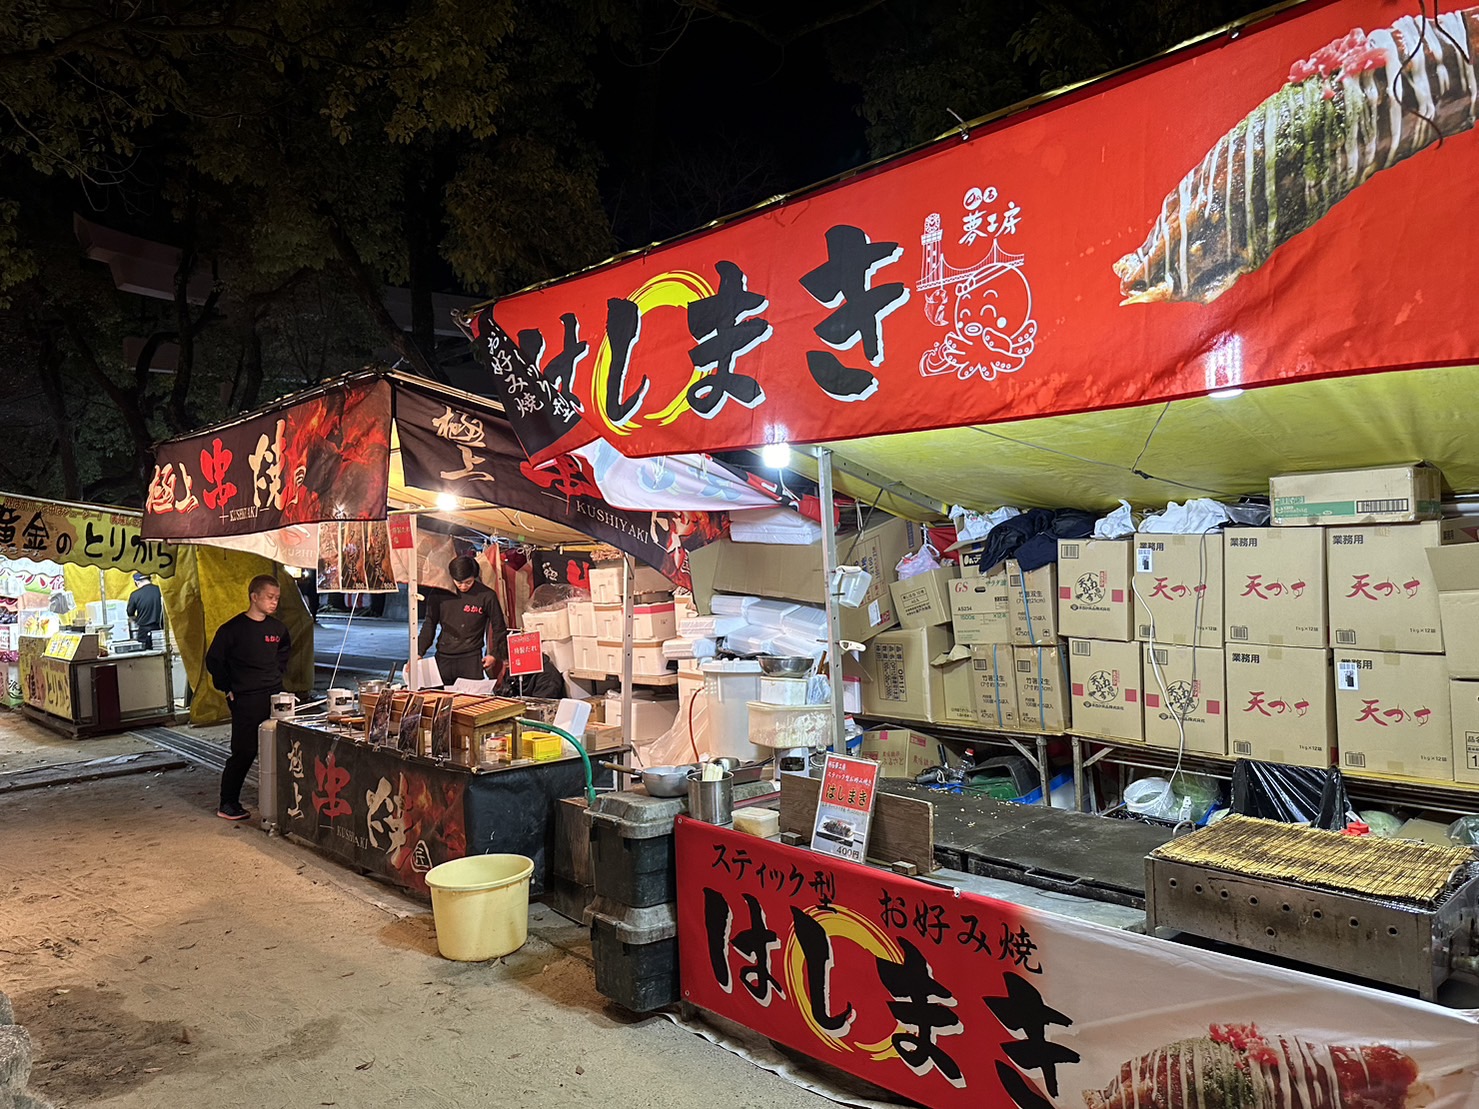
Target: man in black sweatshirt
<point x="473" y="632"/>
<point x="247" y="660"/>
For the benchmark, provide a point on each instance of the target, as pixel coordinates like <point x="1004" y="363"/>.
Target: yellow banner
<point x="90" y="536"/>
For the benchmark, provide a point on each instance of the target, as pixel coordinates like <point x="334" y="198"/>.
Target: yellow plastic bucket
<point x="480" y="905"/>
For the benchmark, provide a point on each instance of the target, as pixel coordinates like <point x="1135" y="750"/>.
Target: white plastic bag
<point x="1119" y="524"/>
<point x="921" y="561"/>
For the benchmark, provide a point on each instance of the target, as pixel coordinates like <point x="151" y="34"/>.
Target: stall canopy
<point x="1284" y="208"/>
<point x="353" y="448"/>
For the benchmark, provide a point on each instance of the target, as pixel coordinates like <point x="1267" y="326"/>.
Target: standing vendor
<point x="145" y="608"/>
<point x="471" y="644"/>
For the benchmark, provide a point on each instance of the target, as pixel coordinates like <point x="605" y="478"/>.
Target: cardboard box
<point x="1463" y="701"/>
<point x="1042" y="690"/>
<point x="1455" y="571"/>
<point x="1386" y="495"/>
<point x="901" y="682"/>
<point x="899" y="752"/>
<point x="1281" y="704"/>
<point x="794" y="573"/>
<point x="923" y="601"/>
<point x="981" y="609"/>
<point x="1393" y="714"/>
<point x="1094" y="596"/>
<point x="1274" y="591"/>
<point x="959" y="682"/>
<point x="994" y="686"/>
<point x="1178" y="589"/>
<point x="1108" y="694"/>
<point x="1033" y="601"/>
<point x="1381" y="588"/>
<point x="1185" y="685"/>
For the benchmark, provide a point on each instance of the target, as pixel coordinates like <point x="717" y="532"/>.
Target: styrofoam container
<point x="561" y="652"/>
<point x="805" y="621"/>
<point x="553" y="623"/>
<point x="606" y="585"/>
<point x="650" y="718"/>
<point x="582" y="616"/>
<point x="773" y="525"/>
<point x="787" y="726"/>
<point x="608" y="621"/>
<point x="770" y="613"/>
<point x="709" y="627"/>
<point x="647" y="656"/>
<point x="784" y="691"/>
<point x="724" y="604"/>
<point x="751" y="640"/>
<point x="588" y="655"/>
<point x="654" y="621"/>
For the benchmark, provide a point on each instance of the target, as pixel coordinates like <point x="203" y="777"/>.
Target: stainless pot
<point x="659" y="781"/>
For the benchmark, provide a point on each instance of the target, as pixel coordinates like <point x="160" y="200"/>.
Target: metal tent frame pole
<point x="834" y="615"/>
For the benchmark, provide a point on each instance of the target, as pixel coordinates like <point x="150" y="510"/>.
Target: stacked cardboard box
<point x="1096" y="610"/>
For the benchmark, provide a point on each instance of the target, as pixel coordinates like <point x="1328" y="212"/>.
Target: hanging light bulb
<point x="446" y="502"/>
<point x="777" y="456"/>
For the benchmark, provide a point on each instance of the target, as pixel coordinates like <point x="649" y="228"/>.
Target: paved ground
<point x="162" y="957"/>
<point x="362" y="647"/>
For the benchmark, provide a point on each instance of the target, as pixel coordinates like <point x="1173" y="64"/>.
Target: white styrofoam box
<point x="654" y="621"/>
<point x="582" y="616"/>
<point x="588" y="655"/>
<point x="606" y="585"/>
<point x="751" y="640"/>
<point x="552" y="623"/>
<point x="797" y="647"/>
<point x="773" y="525"/>
<point x="561" y="652"/>
<point x="805" y="621"/>
<point x="691" y="666"/>
<point x="608" y="621"/>
<point x="647" y="657"/>
<point x="725" y="604"/>
<point x="729" y="687"/>
<point x="677" y="650"/>
<point x="788" y="726"/>
<point x="650" y="718"/>
<point x="784" y="691"/>
<point x="770" y="613"/>
<point x="709" y="627"/>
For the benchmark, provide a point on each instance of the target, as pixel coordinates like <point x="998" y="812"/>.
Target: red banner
<point x="323" y="458"/>
<point x="954" y="999"/>
<point x="1291" y="202"/>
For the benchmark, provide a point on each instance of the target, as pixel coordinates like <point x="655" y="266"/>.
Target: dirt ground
<point x="160" y="956"/>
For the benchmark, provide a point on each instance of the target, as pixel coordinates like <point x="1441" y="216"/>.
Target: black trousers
<point x="452" y="667"/>
<point x="248" y="710"/>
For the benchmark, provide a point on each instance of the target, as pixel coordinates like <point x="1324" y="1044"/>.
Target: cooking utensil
<point x="711" y="801"/>
<point x="786" y="666"/>
<point x="659" y="781"/>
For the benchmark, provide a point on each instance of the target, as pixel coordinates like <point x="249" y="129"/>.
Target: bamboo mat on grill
<point x="1402" y="870"/>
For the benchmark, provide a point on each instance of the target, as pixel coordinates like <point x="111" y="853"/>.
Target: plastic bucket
<point x="481" y="905"/>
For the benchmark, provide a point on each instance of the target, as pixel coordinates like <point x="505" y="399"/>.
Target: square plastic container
<point x="788" y="726"/>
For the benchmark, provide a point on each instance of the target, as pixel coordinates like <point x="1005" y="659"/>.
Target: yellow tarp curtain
<point x="82" y="582"/>
<point x="210" y="587"/>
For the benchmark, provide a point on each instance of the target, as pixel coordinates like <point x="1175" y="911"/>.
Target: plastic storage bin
<point x="789" y="726"/>
<point x="636" y="954"/>
<point x="632" y="848"/>
<point x="729" y="687"/>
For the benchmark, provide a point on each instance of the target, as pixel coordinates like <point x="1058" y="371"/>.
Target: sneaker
<point x="232" y="811"/>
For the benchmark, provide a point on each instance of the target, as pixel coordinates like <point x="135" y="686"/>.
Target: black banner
<point x="476" y="455"/>
<point x="398" y="816"/>
<point x="541" y="404"/>
<point x="325" y="457"/>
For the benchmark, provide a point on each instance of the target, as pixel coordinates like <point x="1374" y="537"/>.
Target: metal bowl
<point x="786" y="666"/>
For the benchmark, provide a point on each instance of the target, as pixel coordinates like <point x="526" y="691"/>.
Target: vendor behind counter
<point x="548" y="684"/>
